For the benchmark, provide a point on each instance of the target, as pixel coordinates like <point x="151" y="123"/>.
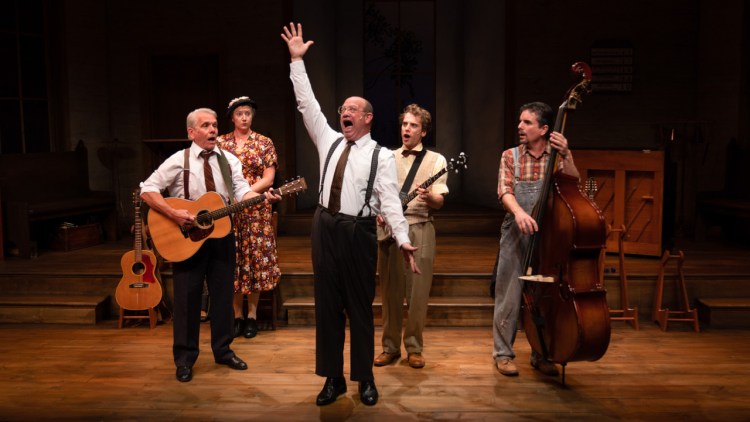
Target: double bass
<point x="566" y="316"/>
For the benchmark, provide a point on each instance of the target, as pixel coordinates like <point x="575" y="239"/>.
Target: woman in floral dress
<point x="257" y="266"/>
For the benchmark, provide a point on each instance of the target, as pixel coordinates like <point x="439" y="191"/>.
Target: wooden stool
<point x="625" y="313"/>
<point x="268" y="303"/>
<point x="662" y="316"/>
<point x="268" y="300"/>
<point x="150" y="316"/>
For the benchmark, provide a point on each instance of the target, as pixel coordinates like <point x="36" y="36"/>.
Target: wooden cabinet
<point x="628" y="188"/>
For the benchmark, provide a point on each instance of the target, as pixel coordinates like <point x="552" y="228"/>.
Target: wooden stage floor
<point x="58" y="372"/>
<point x="65" y="372"/>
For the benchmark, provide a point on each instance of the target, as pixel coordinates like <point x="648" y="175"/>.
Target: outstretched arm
<point x="297" y="45"/>
<point x="317" y="126"/>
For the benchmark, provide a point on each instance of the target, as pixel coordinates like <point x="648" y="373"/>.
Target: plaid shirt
<point x="532" y="168"/>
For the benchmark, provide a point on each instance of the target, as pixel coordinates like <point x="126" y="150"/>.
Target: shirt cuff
<point x="401" y="239"/>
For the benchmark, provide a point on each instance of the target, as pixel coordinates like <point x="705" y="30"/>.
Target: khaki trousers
<point x="398" y="282"/>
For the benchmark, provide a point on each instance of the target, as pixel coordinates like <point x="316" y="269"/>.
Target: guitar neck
<point x="237" y="206"/>
<point x="425" y="184"/>
<point x="137" y="247"/>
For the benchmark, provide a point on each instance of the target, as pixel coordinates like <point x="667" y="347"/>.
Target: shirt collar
<point x="364" y="140"/>
<point x="195" y="150"/>
<point x="522" y="149"/>
<point x="418" y="148"/>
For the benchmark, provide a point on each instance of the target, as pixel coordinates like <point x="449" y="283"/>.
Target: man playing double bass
<point x="519" y="182"/>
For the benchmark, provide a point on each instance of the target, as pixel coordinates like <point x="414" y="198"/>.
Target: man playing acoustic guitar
<point x="189" y="174"/>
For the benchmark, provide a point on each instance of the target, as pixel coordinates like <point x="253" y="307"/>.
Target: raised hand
<point x="297" y="45"/>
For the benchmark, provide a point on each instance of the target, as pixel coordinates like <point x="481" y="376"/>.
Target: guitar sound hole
<point x="203" y="220"/>
<point x="138" y="268"/>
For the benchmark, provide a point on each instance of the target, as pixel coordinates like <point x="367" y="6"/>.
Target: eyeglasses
<point x="350" y="109"/>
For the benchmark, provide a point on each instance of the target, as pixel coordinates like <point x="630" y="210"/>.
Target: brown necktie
<point x="334" y="199"/>
<point x="408" y="152"/>
<point x="207" y="173"/>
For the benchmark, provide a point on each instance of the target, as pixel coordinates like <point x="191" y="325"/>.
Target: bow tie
<point x="408" y="152"/>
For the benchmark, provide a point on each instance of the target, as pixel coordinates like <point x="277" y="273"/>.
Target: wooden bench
<point x="49" y="187"/>
<point x="733" y="312"/>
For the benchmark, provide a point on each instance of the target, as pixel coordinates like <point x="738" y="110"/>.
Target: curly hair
<point x="418" y="111"/>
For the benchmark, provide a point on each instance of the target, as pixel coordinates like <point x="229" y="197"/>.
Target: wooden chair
<point x="662" y="316"/>
<point x="625" y="313"/>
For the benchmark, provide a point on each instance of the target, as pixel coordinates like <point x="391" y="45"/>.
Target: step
<point x="455" y="311"/>
<point x="443" y="284"/>
<point x="53" y="309"/>
<point x="724" y="312"/>
<point x="61" y="284"/>
<point x="453" y="219"/>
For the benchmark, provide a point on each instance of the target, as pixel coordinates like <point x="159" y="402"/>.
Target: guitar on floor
<point x="454" y="165"/>
<point x="176" y="243"/>
<point x="139" y="289"/>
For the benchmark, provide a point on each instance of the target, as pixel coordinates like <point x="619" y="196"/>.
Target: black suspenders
<point x="370" y="182"/>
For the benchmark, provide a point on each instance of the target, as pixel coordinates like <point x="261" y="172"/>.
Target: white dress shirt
<point x="385" y="199"/>
<point x="169" y="175"/>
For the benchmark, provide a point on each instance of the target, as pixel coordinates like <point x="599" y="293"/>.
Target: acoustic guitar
<point x="454" y="165"/>
<point x="176" y="243"/>
<point x="139" y="289"/>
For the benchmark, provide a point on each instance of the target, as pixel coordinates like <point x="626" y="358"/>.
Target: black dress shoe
<point x="251" y="328"/>
<point x="184" y="373"/>
<point x="332" y="389"/>
<point x="239" y="325"/>
<point x="368" y="393"/>
<point x="234" y="362"/>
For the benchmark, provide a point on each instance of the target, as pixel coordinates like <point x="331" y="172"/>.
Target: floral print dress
<point x="257" y="266"/>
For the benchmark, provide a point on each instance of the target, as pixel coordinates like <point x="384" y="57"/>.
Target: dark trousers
<point x="215" y="263"/>
<point x="344" y="256"/>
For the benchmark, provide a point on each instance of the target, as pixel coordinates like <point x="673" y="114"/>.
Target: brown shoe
<point x="544" y="366"/>
<point x="386" y="358"/>
<point x="416" y="360"/>
<point x="507" y="367"/>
